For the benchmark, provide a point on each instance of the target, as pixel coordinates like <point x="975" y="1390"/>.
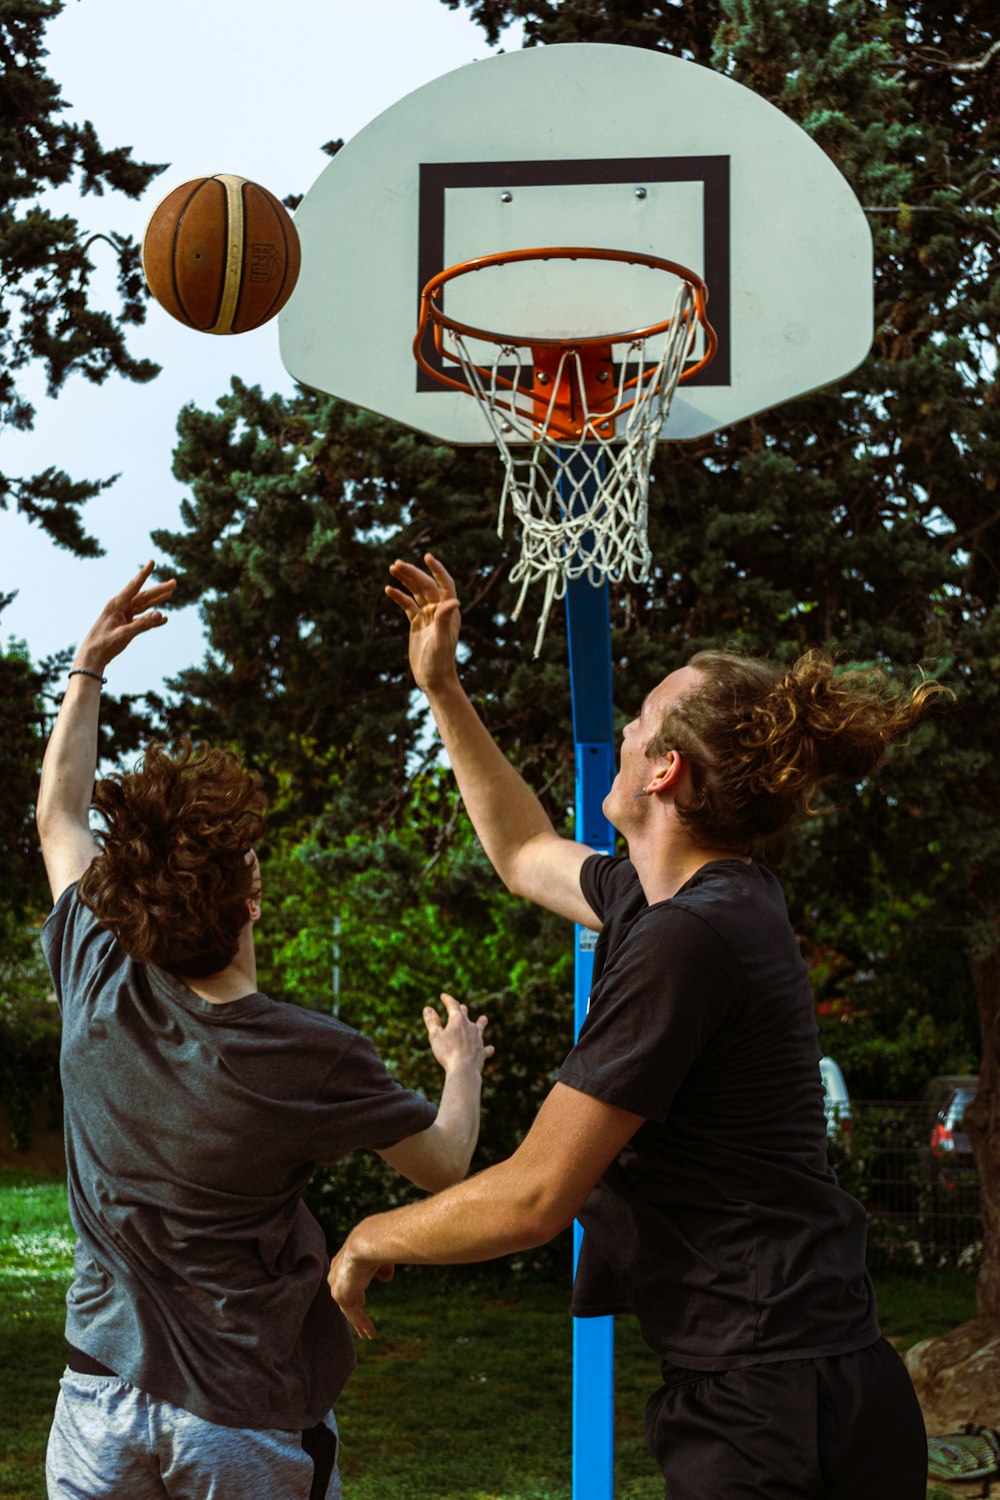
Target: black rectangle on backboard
<point x="436" y="178"/>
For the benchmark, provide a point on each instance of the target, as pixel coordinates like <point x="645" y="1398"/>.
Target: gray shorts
<point x="109" y="1439"/>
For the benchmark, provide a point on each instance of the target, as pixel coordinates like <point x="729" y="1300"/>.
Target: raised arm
<point x="531" y="859"/>
<point x="70" y="762"/>
<point x="440" y="1155"/>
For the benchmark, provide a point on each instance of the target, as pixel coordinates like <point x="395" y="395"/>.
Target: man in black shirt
<point x="686" y="1128"/>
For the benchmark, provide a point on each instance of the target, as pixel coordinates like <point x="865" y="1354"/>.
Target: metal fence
<point x="922" y="1204"/>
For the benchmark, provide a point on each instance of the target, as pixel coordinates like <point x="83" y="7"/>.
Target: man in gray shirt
<point x="205" y="1350"/>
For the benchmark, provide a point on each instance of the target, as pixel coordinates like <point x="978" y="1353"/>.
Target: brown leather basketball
<point x="221" y="254"/>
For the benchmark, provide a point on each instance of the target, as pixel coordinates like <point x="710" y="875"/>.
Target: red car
<point x="950" y="1096"/>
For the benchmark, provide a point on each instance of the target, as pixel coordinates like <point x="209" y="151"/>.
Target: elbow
<point x="540" y="1210"/>
<point x="446" y="1171"/>
<point x="514" y="876"/>
<point x="544" y="1224"/>
<point x="444" y="1177"/>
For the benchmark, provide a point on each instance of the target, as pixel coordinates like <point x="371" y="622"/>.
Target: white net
<point x="579" y="497"/>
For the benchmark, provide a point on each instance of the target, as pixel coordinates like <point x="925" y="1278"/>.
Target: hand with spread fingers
<point x="430" y="603"/>
<point x="131" y="612"/>
<point x="459" y="1042"/>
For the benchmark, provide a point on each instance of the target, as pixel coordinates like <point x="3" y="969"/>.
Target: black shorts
<point x="842" y="1427"/>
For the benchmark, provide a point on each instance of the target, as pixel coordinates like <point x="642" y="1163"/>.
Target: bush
<point x="29" y="1028"/>
<point x="879" y="1064"/>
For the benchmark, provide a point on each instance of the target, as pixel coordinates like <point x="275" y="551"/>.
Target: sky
<point x="208" y="86"/>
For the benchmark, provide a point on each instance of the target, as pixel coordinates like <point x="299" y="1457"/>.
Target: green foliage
<point x="46" y="311"/>
<point x="29" y="696"/>
<point x="29" y="1027"/>
<point x="923" y="1216"/>
<point x="21" y="728"/>
<point x="912" y="1308"/>
<point x="686" y="30"/>
<point x="885" y="1056"/>
<point x="35" y="1267"/>
<point x="405" y="915"/>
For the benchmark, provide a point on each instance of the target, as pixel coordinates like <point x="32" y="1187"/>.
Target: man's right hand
<point x="512" y="825"/>
<point x="430" y="603"/>
<point x="131" y="612"/>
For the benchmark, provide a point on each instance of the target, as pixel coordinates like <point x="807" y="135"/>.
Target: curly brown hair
<point x="172" y="878"/>
<point x="759" y="740"/>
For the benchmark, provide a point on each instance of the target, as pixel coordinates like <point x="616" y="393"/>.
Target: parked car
<point x="949" y="1097"/>
<point x="836" y="1101"/>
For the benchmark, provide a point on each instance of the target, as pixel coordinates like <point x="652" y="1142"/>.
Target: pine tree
<point x="22" y="879"/>
<point x="46" y="314"/>
<point x="297" y="507"/>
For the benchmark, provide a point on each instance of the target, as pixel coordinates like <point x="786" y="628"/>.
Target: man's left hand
<point x="131" y="612"/>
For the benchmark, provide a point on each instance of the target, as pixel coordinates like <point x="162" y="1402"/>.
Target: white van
<point x="836" y="1099"/>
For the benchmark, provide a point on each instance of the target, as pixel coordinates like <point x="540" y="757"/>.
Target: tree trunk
<point x="982" y="1121"/>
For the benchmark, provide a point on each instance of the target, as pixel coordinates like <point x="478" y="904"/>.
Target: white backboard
<point x="613" y="147"/>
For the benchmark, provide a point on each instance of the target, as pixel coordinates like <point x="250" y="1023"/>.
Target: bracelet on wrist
<point x="85" y="672"/>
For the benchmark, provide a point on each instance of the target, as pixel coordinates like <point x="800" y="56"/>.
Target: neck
<point x="665" y="862"/>
<point x="236" y="981"/>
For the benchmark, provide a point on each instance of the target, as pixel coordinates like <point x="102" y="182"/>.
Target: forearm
<point x="70" y="762"/>
<point x="498" y="1212"/>
<point x="503" y="809"/>
<point x="457" y="1122"/>
<point x="516" y="1205"/>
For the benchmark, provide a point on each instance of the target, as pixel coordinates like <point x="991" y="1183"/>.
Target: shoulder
<point x="734" y="903"/>
<point x="65" y="910"/>
<point x="74" y="942"/>
<point x="676" y="942"/>
<point x="728" y="881"/>
<point x="609" y="881"/>
<point x="346" y="1052"/>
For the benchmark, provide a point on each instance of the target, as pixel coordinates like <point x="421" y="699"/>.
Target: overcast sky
<point x="206" y="86"/>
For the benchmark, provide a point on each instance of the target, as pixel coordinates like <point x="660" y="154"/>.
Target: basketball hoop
<point x="576" y="430"/>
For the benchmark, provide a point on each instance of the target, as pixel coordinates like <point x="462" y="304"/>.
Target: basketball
<point x="221" y="254"/>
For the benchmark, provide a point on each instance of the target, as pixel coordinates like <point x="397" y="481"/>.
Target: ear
<point x="670" y="769"/>
<point x="253" y="909"/>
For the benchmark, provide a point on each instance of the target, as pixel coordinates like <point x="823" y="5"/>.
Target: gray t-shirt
<point x="192" y="1131"/>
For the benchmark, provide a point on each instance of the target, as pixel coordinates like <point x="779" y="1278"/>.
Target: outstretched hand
<point x="430" y="603"/>
<point x="131" y="612"/>
<point x="459" y="1042"/>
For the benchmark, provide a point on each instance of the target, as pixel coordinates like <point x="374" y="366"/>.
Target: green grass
<point x="36" y="1252"/>
<point x="469" y="1380"/>
<point x="912" y="1308"/>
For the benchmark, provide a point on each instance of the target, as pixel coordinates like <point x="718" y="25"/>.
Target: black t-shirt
<point x="721" y="1224"/>
<point x="192" y="1131"/>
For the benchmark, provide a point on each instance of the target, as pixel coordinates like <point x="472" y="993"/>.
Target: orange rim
<point x="432" y="314"/>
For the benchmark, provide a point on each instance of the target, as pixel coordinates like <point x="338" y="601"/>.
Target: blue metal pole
<point x="588" y="621"/>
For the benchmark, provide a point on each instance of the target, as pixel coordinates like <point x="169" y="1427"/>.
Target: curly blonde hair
<point x="173" y="878"/>
<point x="759" y="740"/>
